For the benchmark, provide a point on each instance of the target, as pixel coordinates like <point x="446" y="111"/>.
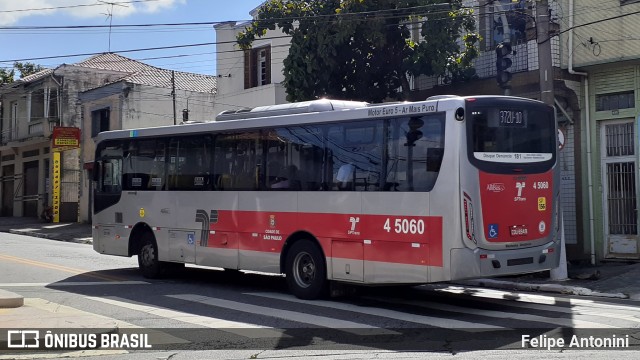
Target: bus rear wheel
<point x="306" y="270"/>
<point x="148" y="258"/>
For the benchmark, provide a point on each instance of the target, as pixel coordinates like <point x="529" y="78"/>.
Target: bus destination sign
<point x="401" y="109"/>
<point x="512" y="118"/>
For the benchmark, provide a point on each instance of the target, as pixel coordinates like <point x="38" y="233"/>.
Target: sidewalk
<point x="71" y="232"/>
<point x="620" y="280"/>
<point x="610" y="279"/>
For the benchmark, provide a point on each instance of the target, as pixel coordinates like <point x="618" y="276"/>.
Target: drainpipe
<point x="59" y="96"/>
<point x="588" y="133"/>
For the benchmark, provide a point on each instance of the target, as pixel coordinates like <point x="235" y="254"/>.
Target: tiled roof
<point x="139" y="73"/>
<point x="183" y="80"/>
<point x="114" y="62"/>
<point x="37" y="76"/>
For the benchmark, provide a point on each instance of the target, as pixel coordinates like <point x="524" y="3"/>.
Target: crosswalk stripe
<point x="235" y="327"/>
<point x="576" y="307"/>
<point x="60" y="316"/>
<point x="347" y="326"/>
<point x="75" y="283"/>
<point x="392" y="314"/>
<point x="574" y="323"/>
<point x="525" y="297"/>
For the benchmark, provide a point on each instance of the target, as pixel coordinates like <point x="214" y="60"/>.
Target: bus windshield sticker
<point x="136" y="181"/>
<point x="503" y="157"/>
<point x="492" y="231"/>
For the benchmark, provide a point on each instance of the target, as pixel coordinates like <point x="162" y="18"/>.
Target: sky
<point x="22" y="42"/>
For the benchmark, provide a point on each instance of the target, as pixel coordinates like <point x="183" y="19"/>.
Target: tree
<point x="6" y="76"/>
<point x="25" y="69"/>
<point x="363" y="49"/>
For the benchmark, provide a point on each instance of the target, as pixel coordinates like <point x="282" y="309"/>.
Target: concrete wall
<point x="231" y="93"/>
<point x="605" y="41"/>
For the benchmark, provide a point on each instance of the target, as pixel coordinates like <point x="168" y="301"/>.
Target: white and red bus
<point x="336" y="191"/>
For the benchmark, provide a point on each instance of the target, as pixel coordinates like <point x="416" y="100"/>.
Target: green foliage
<point x="6" y="76"/>
<point x="25" y="69"/>
<point x="363" y="49"/>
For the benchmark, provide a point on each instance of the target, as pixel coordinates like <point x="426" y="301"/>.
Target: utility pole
<point x="544" y="52"/>
<point x="548" y="97"/>
<point x="173" y="95"/>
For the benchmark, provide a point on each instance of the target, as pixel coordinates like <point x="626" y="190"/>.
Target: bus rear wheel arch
<point x="306" y="270"/>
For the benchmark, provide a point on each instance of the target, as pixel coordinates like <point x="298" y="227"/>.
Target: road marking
<point x="60" y="268"/>
<point x="572" y="323"/>
<point x="575" y="307"/>
<point x="75" y="283"/>
<point x="37" y="313"/>
<point x="63" y="355"/>
<point x="322" y="321"/>
<point x="392" y="314"/>
<point x="238" y="328"/>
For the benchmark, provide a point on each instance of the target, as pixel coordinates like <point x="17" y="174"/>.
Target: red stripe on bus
<point x="413" y="240"/>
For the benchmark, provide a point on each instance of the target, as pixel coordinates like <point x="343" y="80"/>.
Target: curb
<point x="10" y="300"/>
<point x="555" y="288"/>
<point x="55" y="236"/>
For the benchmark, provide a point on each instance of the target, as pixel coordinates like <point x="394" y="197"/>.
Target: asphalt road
<point x="209" y="313"/>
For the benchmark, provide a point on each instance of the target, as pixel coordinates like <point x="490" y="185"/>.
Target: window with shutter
<point x="257" y="67"/>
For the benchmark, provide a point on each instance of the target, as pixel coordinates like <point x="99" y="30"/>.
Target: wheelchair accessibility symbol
<point x="493" y="231"/>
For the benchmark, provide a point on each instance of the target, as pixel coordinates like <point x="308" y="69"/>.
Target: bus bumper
<point x="467" y="263"/>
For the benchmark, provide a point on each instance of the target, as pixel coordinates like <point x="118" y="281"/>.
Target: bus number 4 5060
<point x="405" y="226"/>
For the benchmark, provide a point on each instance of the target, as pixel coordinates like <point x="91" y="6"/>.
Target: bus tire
<point x="306" y="270"/>
<point x="148" y="258"/>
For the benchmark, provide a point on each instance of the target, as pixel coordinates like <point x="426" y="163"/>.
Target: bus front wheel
<point x="148" y="258"/>
<point x="306" y="270"/>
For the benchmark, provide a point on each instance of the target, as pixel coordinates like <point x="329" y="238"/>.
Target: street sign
<point x="65" y="138"/>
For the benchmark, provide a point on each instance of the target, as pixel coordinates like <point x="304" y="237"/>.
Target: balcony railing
<point x="38" y="127"/>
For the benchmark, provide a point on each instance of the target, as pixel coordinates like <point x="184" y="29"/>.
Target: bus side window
<point x="237" y="164"/>
<point x="110" y="172"/>
<point x="295" y="156"/>
<point x="108" y="168"/>
<point x="415" y="152"/>
<point x="189" y="163"/>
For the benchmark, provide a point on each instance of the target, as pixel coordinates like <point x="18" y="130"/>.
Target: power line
<point x="589" y="23"/>
<point x="134" y="50"/>
<point x="73" y="6"/>
<point x="352" y="14"/>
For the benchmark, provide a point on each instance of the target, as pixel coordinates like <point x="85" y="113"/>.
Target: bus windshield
<point x="511" y="133"/>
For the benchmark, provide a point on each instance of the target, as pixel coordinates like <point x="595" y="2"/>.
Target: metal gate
<point x="69" y="195"/>
<point x="620" y="196"/>
<point x="8" y="178"/>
